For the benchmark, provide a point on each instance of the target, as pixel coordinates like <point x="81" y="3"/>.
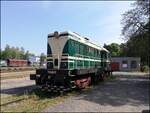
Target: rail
<point x="16" y="69"/>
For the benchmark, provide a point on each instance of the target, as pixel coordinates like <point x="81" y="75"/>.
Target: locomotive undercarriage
<point x="64" y="80"/>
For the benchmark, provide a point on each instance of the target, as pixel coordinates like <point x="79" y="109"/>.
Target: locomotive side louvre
<point x="72" y="61"/>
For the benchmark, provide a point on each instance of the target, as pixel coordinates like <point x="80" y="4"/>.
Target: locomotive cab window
<point x="49" y="49"/>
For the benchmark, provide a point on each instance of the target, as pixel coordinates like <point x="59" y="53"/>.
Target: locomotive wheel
<point x="83" y="83"/>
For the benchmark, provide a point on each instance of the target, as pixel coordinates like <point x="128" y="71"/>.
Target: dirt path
<point x="16" y="86"/>
<point x="12" y="75"/>
<point x="128" y="93"/>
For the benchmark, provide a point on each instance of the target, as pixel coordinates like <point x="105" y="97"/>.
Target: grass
<point x="36" y="101"/>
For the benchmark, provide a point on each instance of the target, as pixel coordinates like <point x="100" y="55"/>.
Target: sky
<point x="27" y="23"/>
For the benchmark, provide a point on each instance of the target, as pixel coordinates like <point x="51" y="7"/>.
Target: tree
<point x="136" y="27"/>
<point x="138" y="46"/>
<point x="22" y="53"/>
<point x="135" y="20"/>
<point x="114" y="49"/>
<point x="26" y="56"/>
<point x="2" y="54"/>
<point x="15" y="53"/>
<point x="7" y="52"/>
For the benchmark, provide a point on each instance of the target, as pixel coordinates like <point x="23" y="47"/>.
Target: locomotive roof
<point x="76" y="36"/>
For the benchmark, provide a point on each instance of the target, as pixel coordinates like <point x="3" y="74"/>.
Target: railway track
<point x="16" y="69"/>
<point x="18" y="74"/>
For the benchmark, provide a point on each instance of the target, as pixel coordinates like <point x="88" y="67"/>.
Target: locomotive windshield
<point x="48" y="49"/>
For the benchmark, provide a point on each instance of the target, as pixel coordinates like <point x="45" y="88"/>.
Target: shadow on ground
<point x="30" y="90"/>
<point x="18" y="90"/>
<point x="131" y="90"/>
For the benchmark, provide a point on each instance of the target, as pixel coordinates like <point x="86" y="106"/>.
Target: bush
<point x="145" y="68"/>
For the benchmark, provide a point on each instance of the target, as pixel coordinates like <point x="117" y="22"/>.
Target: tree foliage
<point x="136" y="31"/>
<point x="14" y="53"/>
<point x="135" y="20"/>
<point x="114" y="49"/>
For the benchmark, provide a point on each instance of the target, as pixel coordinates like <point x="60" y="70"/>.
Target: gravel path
<point x="128" y="93"/>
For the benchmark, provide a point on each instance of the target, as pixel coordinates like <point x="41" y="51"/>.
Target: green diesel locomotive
<point x="73" y="61"/>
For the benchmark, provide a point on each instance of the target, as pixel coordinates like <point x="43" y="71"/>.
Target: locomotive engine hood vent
<point x="86" y="38"/>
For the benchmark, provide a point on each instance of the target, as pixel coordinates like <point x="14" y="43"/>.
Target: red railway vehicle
<point x="17" y="62"/>
<point x="114" y="66"/>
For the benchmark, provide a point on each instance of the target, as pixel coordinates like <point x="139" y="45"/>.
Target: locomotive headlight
<point x="49" y="77"/>
<point x="52" y="72"/>
<point x="49" y="65"/>
<point x="38" y="75"/>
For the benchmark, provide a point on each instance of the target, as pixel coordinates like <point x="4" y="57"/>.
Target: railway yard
<point x="125" y="91"/>
<point x="69" y="59"/>
<point x="16" y="69"/>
